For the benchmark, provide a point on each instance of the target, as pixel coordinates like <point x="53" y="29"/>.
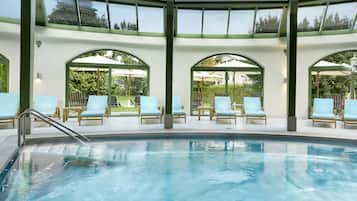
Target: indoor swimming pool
<point x="182" y="170"/>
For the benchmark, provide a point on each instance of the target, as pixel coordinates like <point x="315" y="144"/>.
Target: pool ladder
<point x="21" y="131"/>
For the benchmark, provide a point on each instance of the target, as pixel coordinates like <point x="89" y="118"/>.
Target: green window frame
<point x="70" y="64"/>
<point x="226" y="70"/>
<point x="350" y="76"/>
<point x="4" y="74"/>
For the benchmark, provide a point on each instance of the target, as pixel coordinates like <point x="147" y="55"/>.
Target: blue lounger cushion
<point x="98" y="113"/>
<point x="322" y="116"/>
<point x="46" y="104"/>
<point x="228" y="113"/>
<point x="96" y="106"/>
<point x="9" y="105"/>
<point x="177" y="106"/>
<point x="149" y="106"/>
<point x="323" y="108"/>
<point x="252" y="107"/>
<point x="223" y="106"/>
<point x="350" y="110"/>
<point x="256" y="113"/>
<point x="350" y="117"/>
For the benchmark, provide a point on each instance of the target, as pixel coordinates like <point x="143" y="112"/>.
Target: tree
<point x="65" y="12"/>
<point x="4" y="73"/>
<point x="334" y="21"/>
<point x="341" y="57"/>
<point x="126" y="26"/>
<point x="86" y="82"/>
<point x="268" y="24"/>
<point x="306" y="25"/>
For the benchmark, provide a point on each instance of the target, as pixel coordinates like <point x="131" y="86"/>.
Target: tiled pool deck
<point x="131" y="125"/>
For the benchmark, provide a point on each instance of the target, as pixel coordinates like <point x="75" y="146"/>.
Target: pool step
<point x="96" y="152"/>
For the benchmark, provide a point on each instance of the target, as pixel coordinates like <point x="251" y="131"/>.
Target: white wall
<point x="60" y="46"/>
<point x="10" y="48"/>
<point x="267" y="52"/>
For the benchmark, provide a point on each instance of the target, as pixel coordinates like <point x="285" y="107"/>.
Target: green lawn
<point x="123" y="100"/>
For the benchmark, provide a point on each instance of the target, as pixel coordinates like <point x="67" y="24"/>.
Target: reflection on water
<point x="180" y="170"/>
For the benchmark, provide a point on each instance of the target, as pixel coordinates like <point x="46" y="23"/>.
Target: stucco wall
<point x="60" y="46"/>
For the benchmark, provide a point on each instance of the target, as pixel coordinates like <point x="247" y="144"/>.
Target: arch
<point x="4" y="73"/>
<point x="333" y="52"/>
<point x="108" y="49"/>
<point x="228" y="68"/>
<point x="344" y="70"/>
<point x="224" y="53"/>
<point x="113" y="72"/>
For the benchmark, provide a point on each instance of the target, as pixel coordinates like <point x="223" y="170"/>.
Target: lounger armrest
<point x="107" y="112"/>
<point x="58" y="112"/>
<point x="84" y="108"/>
<point x="161" y="109"/>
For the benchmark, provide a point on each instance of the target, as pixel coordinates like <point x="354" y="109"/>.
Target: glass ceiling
<point x="10" y="9"/>
<point x="134" y="18"/>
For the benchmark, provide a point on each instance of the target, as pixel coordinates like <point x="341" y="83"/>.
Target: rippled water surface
<point x="183" y="170"/>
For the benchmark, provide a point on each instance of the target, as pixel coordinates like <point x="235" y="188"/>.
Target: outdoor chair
<point x="350" y="112"/>
<point x="177" y="108"/>
<point x="9" y="107"/>
<point x="47" y="105"/>
<point x="223" y="108"/>
<point x="114" y="101"/>
<point x="253" y="109"/>
<point x="323" y="111"/>
<point x="149" y="108"/>
<point x="77" y="99"/>
<point x="97" y="109"/>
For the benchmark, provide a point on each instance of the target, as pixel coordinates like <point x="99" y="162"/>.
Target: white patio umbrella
<point x="238" y="62"/>
<point x="322" y="69"/>
<point x="129" y="73"/>
<point x="97" y="60"/>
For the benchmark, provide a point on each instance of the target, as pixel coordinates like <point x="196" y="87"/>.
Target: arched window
<point x="119" y="75"/>
<point x="334" y="77"/>
<point x="225" y="75"/>
<point x="4" y="74"/>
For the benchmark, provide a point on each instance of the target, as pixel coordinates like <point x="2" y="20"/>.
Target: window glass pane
<point x="61" y="12"/>
<point x="340" y="16"/>
<point x="10" y="9"/>
<point x="151" y="19"/>
<point x="4" y="74"/>
<point x="215" y="22"/>
<point x="189" y="21"/>
<point x="268" y="21"/>
<point x="309" y="18"/>
<point x="123" y="17"/>
<point x="93" y="13"/>
<point x="241" y="22"/>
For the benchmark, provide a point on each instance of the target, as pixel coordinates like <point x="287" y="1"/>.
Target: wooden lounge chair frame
<point x="255" y="117"/>
<point x="180" y="116"/>
<point x="225" y="117"/>
<point x="322" y="120"/>
<point x="99" y="118"/>
<point x="145" y="117"/>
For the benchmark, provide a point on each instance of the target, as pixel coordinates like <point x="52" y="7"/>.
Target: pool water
<point x="183" y="170"/>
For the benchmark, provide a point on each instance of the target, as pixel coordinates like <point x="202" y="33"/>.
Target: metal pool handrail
<point x="21" y="131"/>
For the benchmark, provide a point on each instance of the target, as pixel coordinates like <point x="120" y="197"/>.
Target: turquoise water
<point x="183" y="170"/>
